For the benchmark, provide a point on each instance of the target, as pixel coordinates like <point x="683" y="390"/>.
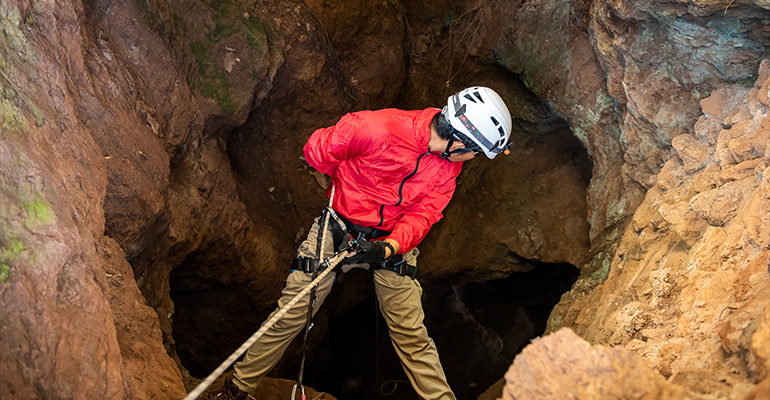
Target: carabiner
<point x="294" y="391"/>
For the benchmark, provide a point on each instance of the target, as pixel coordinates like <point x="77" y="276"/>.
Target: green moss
<point x="257" y="36"/>
<point x="11" y="252"/>
<point x="603" y="272"/>
<point x="604" y="100"/>
<point x="211" y="81"/>
<point x="17" y="58"/>
<point x="39" y="211"/>
<point x="31" y="18"/>
<point x="149" y="12"/>
<point x="28" y="197"/>
<point x="13" y="118"/>
<point x="5" y="272"/>
<point x="555" y="321"/>
<point x="580" y="134"/>
<point x="229" y="19"/>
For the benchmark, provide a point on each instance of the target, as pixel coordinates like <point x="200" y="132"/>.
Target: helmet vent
<point x="502" y="132"/>
<point x="478" y="96"/>
<point x="467" y="96"/>
<point x="494" y="121"/>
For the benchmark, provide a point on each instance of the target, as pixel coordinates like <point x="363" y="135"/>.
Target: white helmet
<point x="480" y="114"/>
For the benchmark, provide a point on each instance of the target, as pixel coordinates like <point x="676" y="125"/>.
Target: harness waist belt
<point x="306" y="264"/>
<point x="368" y="233"/>
<point x="397" y="264"/>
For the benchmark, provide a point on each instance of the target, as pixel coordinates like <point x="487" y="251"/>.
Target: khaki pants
<point x="400" y="303"/>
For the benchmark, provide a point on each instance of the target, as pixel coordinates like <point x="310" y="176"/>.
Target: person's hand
<point x="370" y="252"/>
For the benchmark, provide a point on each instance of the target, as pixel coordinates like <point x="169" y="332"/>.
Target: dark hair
<point x="445" y="130"/>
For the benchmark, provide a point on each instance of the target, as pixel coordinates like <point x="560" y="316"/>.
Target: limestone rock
<point x="564" y="366"/>
<point x="690" y="284"/>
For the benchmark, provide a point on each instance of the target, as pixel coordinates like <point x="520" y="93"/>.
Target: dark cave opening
<point x="478" y="329"/>
<point x="213" y="313"/>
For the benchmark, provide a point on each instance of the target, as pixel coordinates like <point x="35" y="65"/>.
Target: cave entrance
<point x="478" y="329"/>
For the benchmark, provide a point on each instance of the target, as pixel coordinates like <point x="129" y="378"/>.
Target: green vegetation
<point x="603" y="271"/>
<point x="16" y="58"/>
<point x="12" y="117"/>
<point x="9" y="253"/>
<point x="149" y="12"/>
<point x="211" y="81"/>
<point x="39" y="211"/>
<point x="23" y="209"/>
<point x="14" y="38"/>
<point x="228" y="19"/>
<point x="5" y="272"/>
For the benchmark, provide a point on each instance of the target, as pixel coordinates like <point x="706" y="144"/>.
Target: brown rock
<point x="669" y="352"/>
<point x="759" y="347"/>
<point x="708" y="284"/>
<point x="760" y="391"/>
<point x="138" y="332"/>
<point x="693" y="152"/>
<point x="684" y="220"/>
<point x="726" y="102"/>
<point x="742" y="143"/>
<point x="707" y="128"/>
<point x="718" y="206"/>
<point x="563" y="366"/>
<point x="121" y="176"/>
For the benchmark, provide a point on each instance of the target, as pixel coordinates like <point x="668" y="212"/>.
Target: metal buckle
<point x="400" y="268"/>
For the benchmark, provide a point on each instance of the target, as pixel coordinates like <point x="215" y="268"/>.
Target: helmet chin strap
<point x="447" y="153"/>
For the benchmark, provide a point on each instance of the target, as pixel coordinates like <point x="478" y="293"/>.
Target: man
<point x="393" y="173"/>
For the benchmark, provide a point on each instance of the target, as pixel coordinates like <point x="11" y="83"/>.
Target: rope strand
<point x="330" y="262"/>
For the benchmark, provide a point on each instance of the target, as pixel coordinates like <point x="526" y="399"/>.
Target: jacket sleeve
<point x="328" y="147"/>
<point x="416" y="222"/>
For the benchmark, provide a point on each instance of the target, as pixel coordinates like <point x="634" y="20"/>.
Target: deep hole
<point x="211" y="319"/>
<point x="478" y="329"/>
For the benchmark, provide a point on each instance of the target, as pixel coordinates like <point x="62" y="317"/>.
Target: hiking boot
<point x="232" y="390"/>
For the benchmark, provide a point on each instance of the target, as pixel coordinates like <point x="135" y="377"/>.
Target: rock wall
<point x="594" y="372"/>
<point x="113" y="173"/>
<point x="689" y="286"/>
<point x="152" y="189"/>
<point x="73" y="323"/>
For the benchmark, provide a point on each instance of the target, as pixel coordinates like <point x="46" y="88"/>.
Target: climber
<point x="393" y="172"/>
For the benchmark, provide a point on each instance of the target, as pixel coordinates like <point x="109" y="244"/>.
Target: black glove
<point x="369" y="252"/>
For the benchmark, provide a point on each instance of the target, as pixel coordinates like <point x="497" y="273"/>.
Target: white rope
<point x="331" y="262"/>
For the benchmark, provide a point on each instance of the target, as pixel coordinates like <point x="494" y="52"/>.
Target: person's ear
<point x="457" y="145"/>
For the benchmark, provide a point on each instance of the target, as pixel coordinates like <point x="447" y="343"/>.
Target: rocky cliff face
<point x="689" y="287"/>
<point x="152" y="189"/>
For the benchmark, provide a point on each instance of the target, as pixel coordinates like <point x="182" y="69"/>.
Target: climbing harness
<point x="319" y="269"/>
<point x="397" y="264"/>
<point x="394" y="263"/>
<point x="330" y="263"/>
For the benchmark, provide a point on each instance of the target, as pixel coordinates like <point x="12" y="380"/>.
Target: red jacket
<point x="384" y="176"/>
